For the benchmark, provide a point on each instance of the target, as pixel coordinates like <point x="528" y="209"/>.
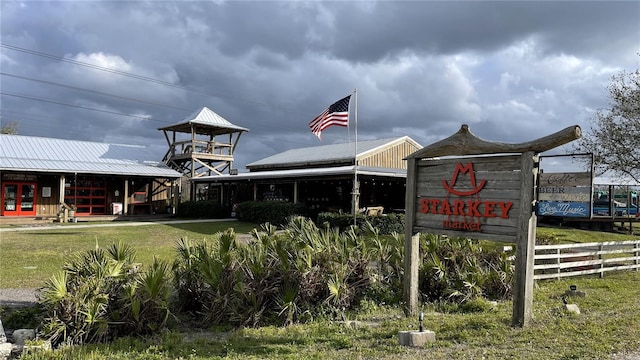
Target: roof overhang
<point x="63" y="167"/>
<point x="611" y="179"/>
<point x="306" y="173"/>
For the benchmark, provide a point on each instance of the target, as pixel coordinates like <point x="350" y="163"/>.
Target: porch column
<point x="125" y="197"/>
<point x="295" y="192"/>
<point x="255" y="191"/>
<point x="61" y="190"/>
<point x="175" y="195"/>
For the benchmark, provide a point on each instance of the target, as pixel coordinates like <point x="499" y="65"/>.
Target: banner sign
<point x="565" y="179"/>
<point x="564" y="209"/>
<point x="565" y="194"/>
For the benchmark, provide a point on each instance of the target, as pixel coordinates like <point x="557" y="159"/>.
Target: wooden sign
<point x="565" y="179"/>
<point x="469" y="197"/>
<point x="564" y="193"/>
<point x="19" y="177"/>
<point x="488" y="197"/>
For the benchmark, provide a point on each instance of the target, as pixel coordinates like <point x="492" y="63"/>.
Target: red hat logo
<point x="472" y="176"/>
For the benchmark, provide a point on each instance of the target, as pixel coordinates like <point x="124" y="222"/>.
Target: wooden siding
<point x="48" y="206"/>
<point x="158" y="192"/>
<point x="392" y="157"/>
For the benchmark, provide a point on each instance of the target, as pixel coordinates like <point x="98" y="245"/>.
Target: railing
<point x="200" y="147"/>
<point x="565" y="260"/>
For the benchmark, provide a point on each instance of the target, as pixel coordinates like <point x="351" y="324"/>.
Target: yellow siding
<point x="391" y="157"/>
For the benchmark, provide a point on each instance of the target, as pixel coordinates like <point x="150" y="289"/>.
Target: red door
<point x="18" y="199"/>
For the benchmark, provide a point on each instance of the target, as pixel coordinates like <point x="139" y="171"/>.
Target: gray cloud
<point x="512" y="70"/>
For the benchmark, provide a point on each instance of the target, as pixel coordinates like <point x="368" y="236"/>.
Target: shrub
<point x="282" y="277"/>
<point x="546" y="239"/>
<point x="206" y="209"/>
<point x="460" y="270"/>
<point x="305" y="271"/>
<point x="21" y="318"/>
<point x="272" y="212"/>
<point x="102" y="294"/>
<point x="386" y="224"/>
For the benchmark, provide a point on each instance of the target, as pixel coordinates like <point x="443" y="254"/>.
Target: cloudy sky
<point x="116" y="71"/>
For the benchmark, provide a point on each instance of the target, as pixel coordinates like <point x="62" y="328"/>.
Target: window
<point x="88" y="195"/>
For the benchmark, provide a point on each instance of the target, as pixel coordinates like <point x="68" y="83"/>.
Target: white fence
<point x="564" y="260"/>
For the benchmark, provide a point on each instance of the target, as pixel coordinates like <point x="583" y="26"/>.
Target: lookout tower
<point x="202" y="144"/>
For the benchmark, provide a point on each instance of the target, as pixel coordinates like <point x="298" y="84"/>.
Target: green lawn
<point x="570" y="235"/>
<point x="30" y="257"/>
<point x="609" y="322"/>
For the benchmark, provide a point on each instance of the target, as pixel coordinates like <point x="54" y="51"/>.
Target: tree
<point x="614" y="136"/>
<point x="11" y="128"/>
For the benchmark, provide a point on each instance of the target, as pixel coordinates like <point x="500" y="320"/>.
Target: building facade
<point x="41" y="176"/>
<point x="321" y="177"/>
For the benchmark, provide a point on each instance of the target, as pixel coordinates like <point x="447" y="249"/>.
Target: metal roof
<point x="615" y="179"/>
<point x="302" y="173"/>
<point x="39" y="154"/>
<point x="325" y="154"/>
<point x="207" y="121"/>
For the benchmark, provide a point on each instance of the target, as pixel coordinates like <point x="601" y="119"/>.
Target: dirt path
<point x="18" y="297"/>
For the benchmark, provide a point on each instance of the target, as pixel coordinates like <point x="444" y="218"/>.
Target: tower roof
<point x="205" y="121"/>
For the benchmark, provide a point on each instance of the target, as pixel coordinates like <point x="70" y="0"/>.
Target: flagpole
<point x="356" y="188"/>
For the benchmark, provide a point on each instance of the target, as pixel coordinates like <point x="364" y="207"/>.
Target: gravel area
<point x="630" y="355"/>
<point x="18" y="297"/>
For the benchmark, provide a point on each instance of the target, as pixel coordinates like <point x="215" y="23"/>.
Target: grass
<point x="571" y="235"/>
<point x="608" y="323"/>
<point x="30" y="257"/>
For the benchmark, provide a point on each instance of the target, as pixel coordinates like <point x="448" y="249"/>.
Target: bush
<point x="21" y="318"/>
<point x="207" y="209"/>
<point x="386" y="224"/>
<point x="272" y="212"/>
<point x="460" y="270"/>
<point x="102" y="294"/>
<point x="284" y="277"/>
<point x="305" y="271"/>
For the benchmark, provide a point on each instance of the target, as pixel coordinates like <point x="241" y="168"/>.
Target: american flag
<point x="336" y="114"/>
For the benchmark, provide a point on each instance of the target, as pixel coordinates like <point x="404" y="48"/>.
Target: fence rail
<point x="565" y="260"/>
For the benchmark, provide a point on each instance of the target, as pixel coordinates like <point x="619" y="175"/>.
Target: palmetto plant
<point x="279" y="276"/>
<point x="459" y="270"/>
<point x="145" y="302"/>
<point x="98" y="293"/>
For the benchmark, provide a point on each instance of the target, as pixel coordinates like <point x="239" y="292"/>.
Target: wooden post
<point x="635" y="254"/>
<point x="411" y="244"/>
<point x="525" y="245"/>
<point x="600" y="249"/>
<point x="558" y="262"/>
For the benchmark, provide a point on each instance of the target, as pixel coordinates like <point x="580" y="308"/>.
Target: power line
<point x="19" y="117"/>
<point x="78" y="106"/>
<point x="117" y="72"/>
<point x="91" y="91"/>
<point x="131" y="75"/>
